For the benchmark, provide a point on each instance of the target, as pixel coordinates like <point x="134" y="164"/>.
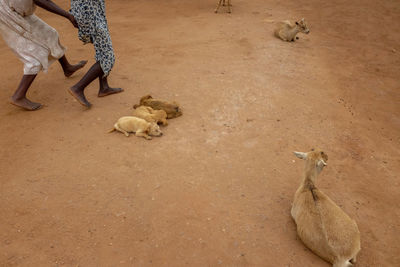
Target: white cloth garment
<point x="35" y="43"/>
<point x="22" y="7"/>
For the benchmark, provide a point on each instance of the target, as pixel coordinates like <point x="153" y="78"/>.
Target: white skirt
<point x="37" y="47"/>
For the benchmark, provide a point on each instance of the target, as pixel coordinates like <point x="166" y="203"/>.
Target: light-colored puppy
<point x="171" y="108"/>
<point x="287" y="31"/>
<point x="151" y="115"/>
<point x="141" y="128"/>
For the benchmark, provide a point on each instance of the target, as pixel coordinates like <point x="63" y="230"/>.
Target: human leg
<point x="19" y="97"/>
<point x="105" y="89"/>
<point x="77" y="90"/>
<point x="68" y="68"/>
<point x="105" y="55"/>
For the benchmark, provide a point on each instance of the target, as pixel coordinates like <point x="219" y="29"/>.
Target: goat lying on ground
<point x="322" y="226"/>
<point x="287" y="31"/>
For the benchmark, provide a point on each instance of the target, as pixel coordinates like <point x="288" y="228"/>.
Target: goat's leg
<point x="223" y="2"/>
<point x="219" y="4"/>
<point x="229" y="6"/>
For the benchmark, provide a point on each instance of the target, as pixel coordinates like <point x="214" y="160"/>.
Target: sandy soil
<point x="216" y="189"/>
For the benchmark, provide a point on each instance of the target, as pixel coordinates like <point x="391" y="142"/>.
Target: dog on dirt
<point x="141" y="128"/>
<point x="171" y="108"/>
<point x="151" y="115"/>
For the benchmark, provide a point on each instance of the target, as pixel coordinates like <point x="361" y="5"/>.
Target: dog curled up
<point x="141" y="128"/>
<point x="171" y="108"/>
<point x="151" y="115"/>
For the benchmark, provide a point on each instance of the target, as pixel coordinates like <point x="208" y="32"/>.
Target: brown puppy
<point x="172" y="109"/>
<point x="140" y="127"/>
<point x="151" y="115"/>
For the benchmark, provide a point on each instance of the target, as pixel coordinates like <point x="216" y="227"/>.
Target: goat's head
<point x="303" y="26"/>
<point x="316" y="158"/>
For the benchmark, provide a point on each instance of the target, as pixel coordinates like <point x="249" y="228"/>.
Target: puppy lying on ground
<point x="172" y="109"/>
<point x="151" y="115"/>
<point x="140" y="127"/>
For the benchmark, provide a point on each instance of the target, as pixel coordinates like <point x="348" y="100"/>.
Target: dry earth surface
<point x="216" y="189"/>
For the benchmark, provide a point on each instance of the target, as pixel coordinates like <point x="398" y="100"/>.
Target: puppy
<point x="151" y="115"/>
<point x="140" y="127"/>
<point x="172" y="109"/>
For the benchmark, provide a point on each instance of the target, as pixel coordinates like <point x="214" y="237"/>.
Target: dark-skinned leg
<point x="77" y="90"/>
<point x="105" y="89"/>
<point x="19" y="98"/>
<point x="68" y="68"/>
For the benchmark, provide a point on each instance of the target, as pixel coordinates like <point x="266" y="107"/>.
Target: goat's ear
<point x="300" y="155"/>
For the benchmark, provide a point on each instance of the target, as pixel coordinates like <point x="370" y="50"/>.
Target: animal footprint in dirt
<point x="347" y="106"/>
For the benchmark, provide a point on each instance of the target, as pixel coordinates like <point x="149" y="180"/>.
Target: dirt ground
<point x="216" y="189"/>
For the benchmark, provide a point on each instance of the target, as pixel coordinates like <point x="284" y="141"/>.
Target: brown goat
<point x="322" y="226"/>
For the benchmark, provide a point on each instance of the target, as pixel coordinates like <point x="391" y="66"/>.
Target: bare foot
<point x="80" y="96"/>
<point x="109" y="91"/>
<point x="71" y="70"/>
<point x="25" y="104"/>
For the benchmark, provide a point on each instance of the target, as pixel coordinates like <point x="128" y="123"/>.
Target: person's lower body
<point x="93" y="73"/>
<point x="37" y="49"/>
<point x="105" y="60"/>
<point x="19" y="97"/>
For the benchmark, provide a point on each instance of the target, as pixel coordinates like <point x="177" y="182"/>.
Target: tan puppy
<point x="151" y="115"/>
<point x="172" y="109"/>
<point x="140" y="127"/>
<point x="322" y="225"/>
<point x="287" y="31"/>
